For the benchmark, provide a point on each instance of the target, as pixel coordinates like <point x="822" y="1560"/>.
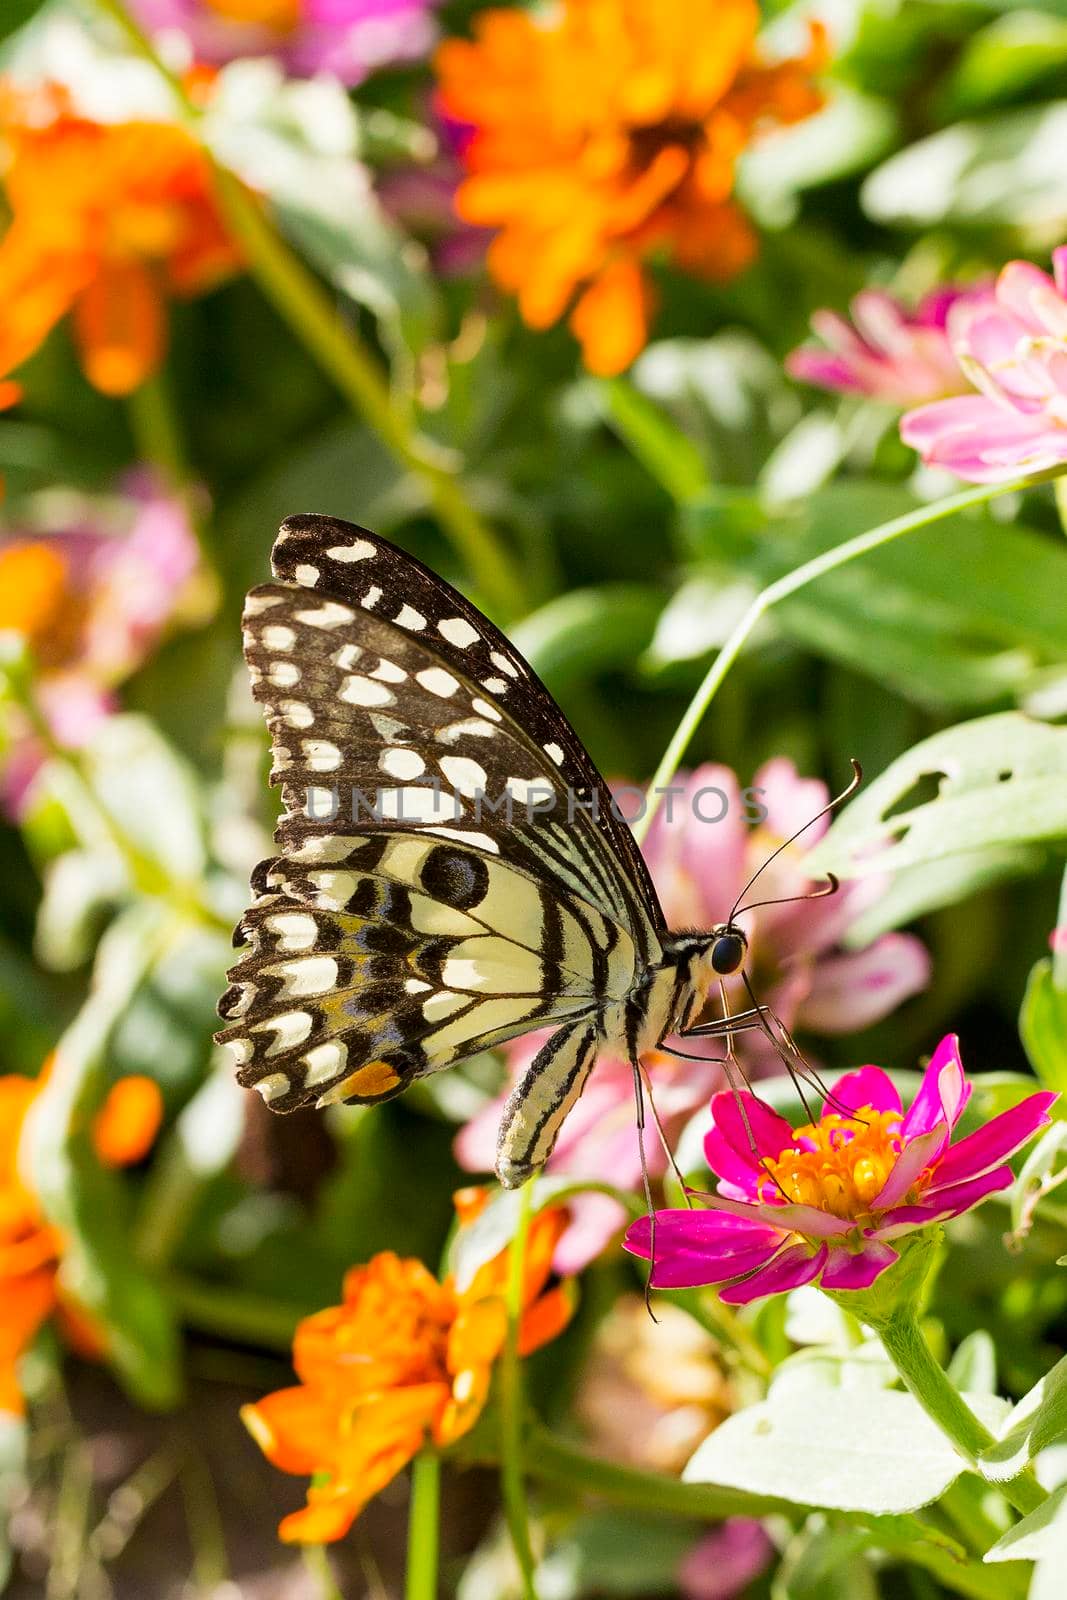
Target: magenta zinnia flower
<point x="827" y="1202"/>
<point x="886" y="352"/>
<point x="1013" y="348"/>
<point x="347" y="39"/>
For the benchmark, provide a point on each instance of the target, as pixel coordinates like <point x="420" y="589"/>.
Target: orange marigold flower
<point x="31" y="1249"/>
<point x="404" y="1361"/>
<point x="605" y="135"/>
<point x="107" y="222"/>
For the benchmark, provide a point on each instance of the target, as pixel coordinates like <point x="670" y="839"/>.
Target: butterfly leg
<point x="539" y="1103"/>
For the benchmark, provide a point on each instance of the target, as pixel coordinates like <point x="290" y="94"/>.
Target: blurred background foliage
<point x="642" y="512"/>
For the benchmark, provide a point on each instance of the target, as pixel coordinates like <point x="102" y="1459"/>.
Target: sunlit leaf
<point x="1038" y="1420"/>
<point x="1043" y="1026"/>
<point x="873" y="1450"/>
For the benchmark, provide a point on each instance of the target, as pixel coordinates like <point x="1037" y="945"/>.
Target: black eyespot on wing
<point x="455" y="878"/>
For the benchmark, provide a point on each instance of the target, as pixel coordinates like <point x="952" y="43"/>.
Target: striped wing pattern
<point x="388" y="943"/>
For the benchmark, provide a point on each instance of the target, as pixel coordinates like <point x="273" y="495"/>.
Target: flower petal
<point x="744" y="1121"/>
<point x="915" y="1157"/>
<point x="993" y="1143"/>
<point x="688" y="1270"/>
<point x="790" y="1218"/>
<point x="851" y="990"/>
<point x="867" y="1086"/>
<point x="789" y="1270"/>
<point x="845" y="1271"/>
<point x="951" y="1202"/>
<point x="699" y="1232"/>
<point x="943" y="1092"/>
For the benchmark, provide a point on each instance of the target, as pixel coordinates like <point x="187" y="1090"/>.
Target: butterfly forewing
<point x="425" y="905"/>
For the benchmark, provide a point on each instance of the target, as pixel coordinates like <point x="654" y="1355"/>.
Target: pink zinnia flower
<point x="799" y="969"/>
<point x="726" y="1560"/>
<point x="347" y="39"/>
<point x="827" y="1202"/>
<point x="1013" y="348"/>
<point x="91" y="598"/>
<point x="887" y="352"/>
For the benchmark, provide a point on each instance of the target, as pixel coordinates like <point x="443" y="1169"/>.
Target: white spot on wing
<point x="443" y="1004"/>
<point x="389" y="672"/>
<point x="283" y="674"/>
<point x="295" y="930"/>
<point x="290" y="1029"/>
<point x="400" y="763"/>
<point x="484" y="709"/>
<point x="408" y="617"/>
<point x="324" y="1062"/>
<point x="495" y="685"/>
<point x="358" y="550"/>
<point x="473" y="727"/>
<point x="464" y="774"/>
<point x="295" y="714"/>
<point x="322" y="756"/>
<point x="329" y="615"/>
<point x="438" y="681"/>
<point x="347" y="656"/>
<point x="371" y="598"/>
<point x="313" y="975"/>
<point x="501" y="661"/>
<point x="307" y="576"/>
<point x="555" y="752"/>
<point x="418" y="804"/>
<point x="256" y="604"/>
<point x="360" y="691"/>
<point x="458" y="631"/>
<point x="278" y="637"/>
<point x="273" y="1086"/>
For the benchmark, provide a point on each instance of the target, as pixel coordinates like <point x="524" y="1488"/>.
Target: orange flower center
<point x="36" y="601"/>
<point x="839" y="1164"/>
<point x="282" y="15"/>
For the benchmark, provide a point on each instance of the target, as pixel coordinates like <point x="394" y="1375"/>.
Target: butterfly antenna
<point x="798" y="1067"/>
<point x="831" y="886"/>
<point x="639" y="1097"/>
<point x="667" y="1151"/>
<point x="831" y="805"/>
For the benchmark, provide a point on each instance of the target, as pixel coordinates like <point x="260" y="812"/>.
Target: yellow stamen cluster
<point x="839" y="1164"/>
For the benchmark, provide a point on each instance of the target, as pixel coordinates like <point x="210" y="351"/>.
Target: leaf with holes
<point x="982" y="786"/>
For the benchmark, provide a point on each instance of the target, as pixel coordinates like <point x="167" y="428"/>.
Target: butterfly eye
<point x="727" y="954"/>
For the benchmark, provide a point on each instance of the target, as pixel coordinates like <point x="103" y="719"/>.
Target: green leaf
<point x="874" y="1451"/>
<point x="1043" y="1026"/>
<point x="615" y="1553"/>
<point x="1005" y="170"/>
<point x="865" y="1367"/>
<point x="974" y="1363"/>
<point x="298" y="143"/>
<point x="1038" y="1420"/>
<point x="86" y="1200"/>
<point x="80" y="888"/>
<point x="16" y="14"/>
<point x="668" y="454"/>
<point x="1000" y="781"/>
<point x="1042" y="1160"/>
<point x="149" y="792"/>
<point x="848" y="135"/>
<point x="1040" y="1536"/>
<point x="588" y="631"/>
<point x="1002" y="60"/>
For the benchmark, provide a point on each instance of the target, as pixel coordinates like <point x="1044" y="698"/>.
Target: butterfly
<point x="452" y="871"/>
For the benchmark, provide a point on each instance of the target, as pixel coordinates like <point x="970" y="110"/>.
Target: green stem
<point x="308" y="308"/>
<point x="154" y="426"/>
<point x="318" y="1564"/>
<point x="424" y="1519"/>
<point x="941" y="1400"/>
<point x="788" y="585"/>
<point x="558" y="1461"/>
<point x="512" y="1475"/>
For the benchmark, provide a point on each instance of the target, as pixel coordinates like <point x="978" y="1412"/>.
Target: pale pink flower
<point x="886" y="352"/>
<point x="1013" y="348"/>
<point x="726" y="1560"/>
<point x="91" y="598"/>
<point x="798" y="967"/>
<point x="346" y="39"/>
